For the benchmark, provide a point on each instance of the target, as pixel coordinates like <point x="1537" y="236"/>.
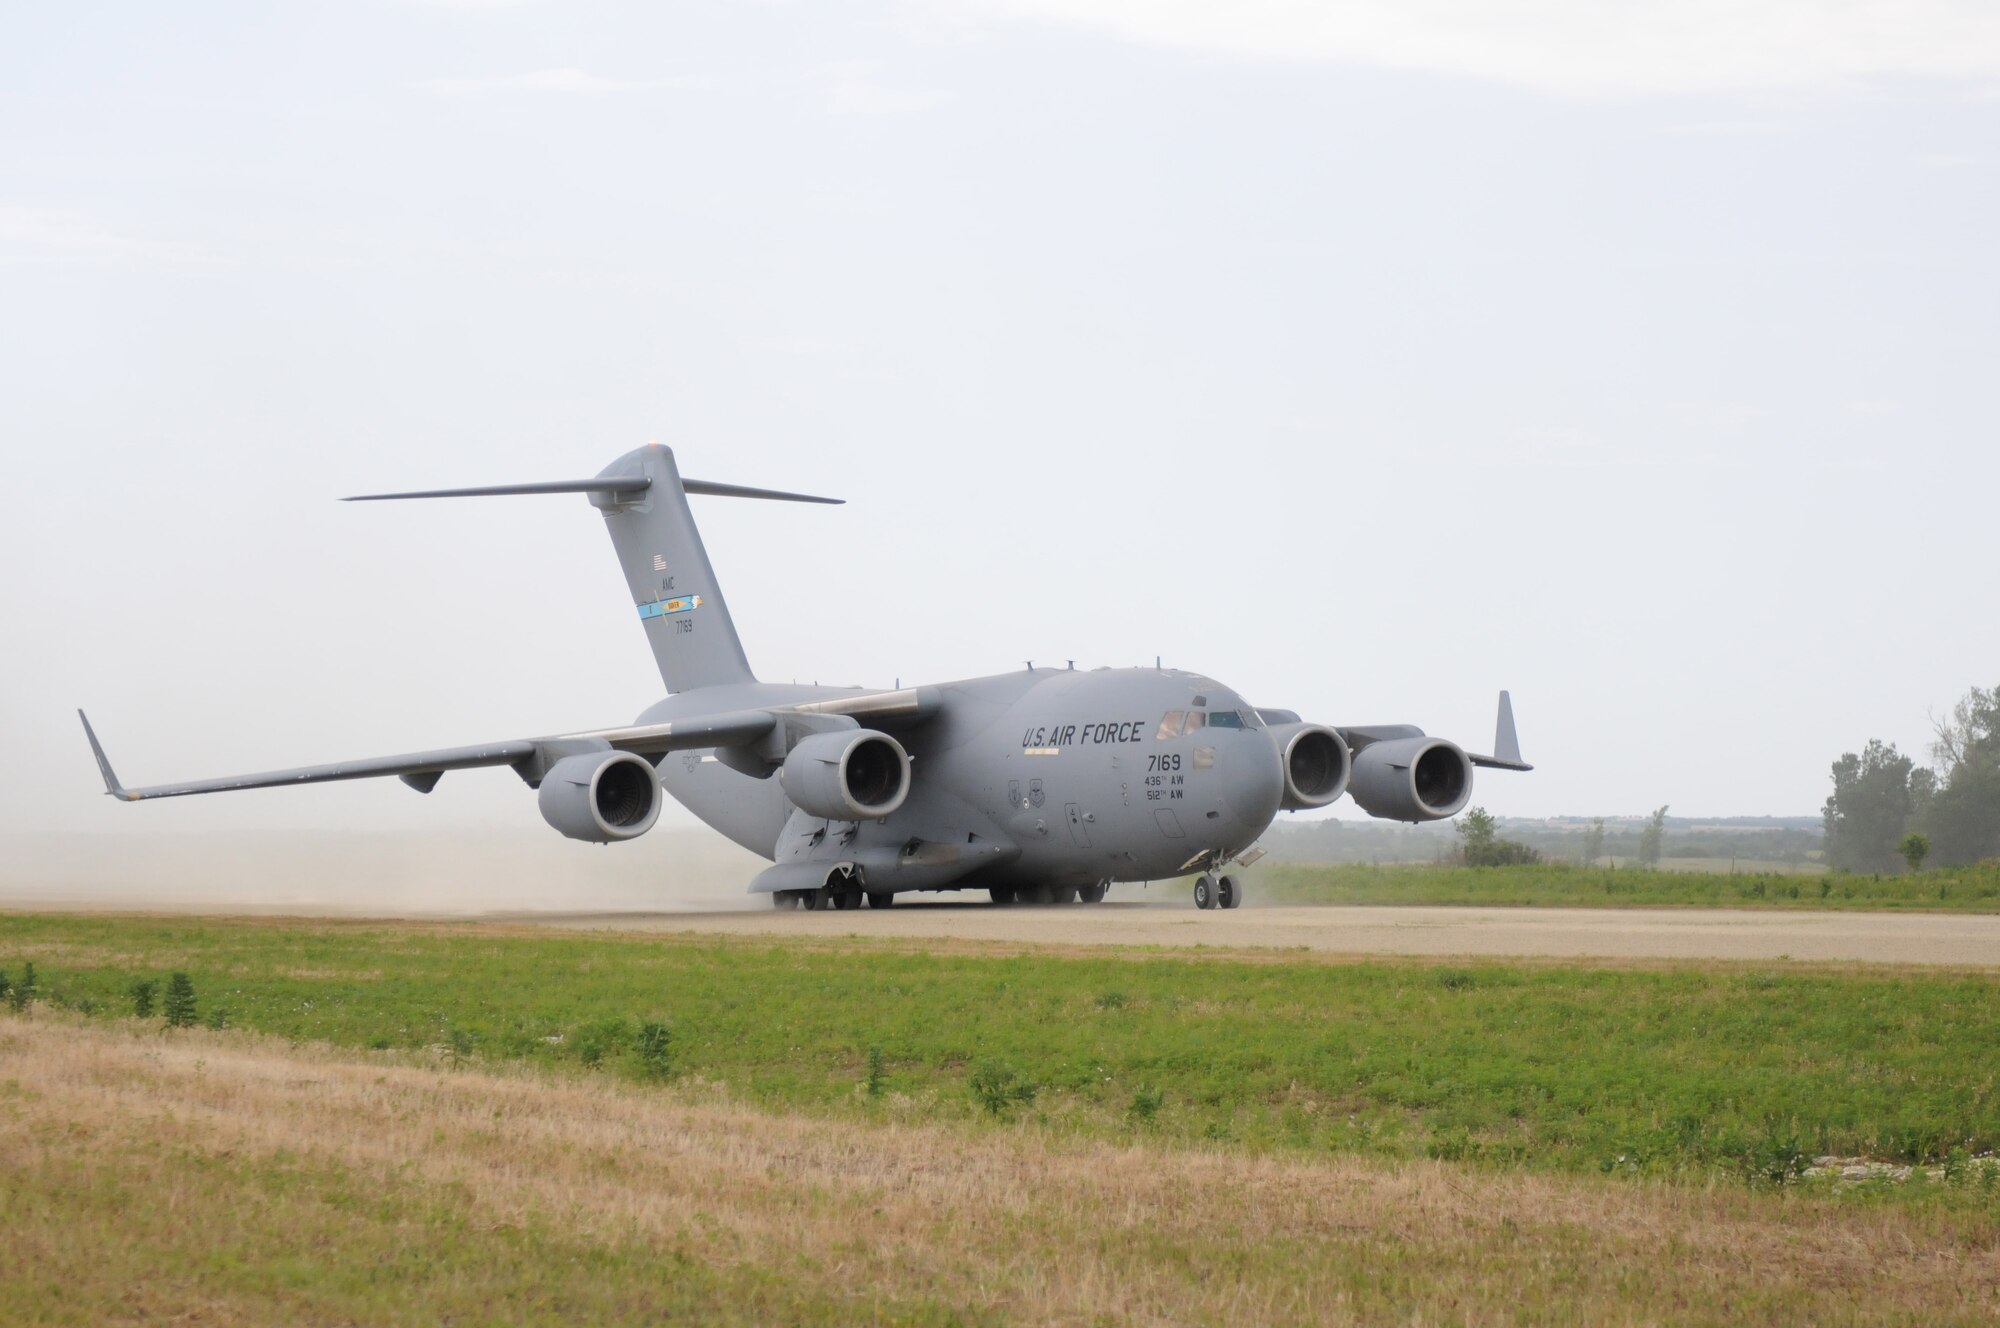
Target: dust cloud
<point x="375" y="874"/>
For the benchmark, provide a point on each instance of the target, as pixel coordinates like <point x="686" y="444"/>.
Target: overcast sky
<point x="1369" y="356"/>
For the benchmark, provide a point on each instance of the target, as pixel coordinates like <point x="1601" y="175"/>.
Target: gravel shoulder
<point x="1895" y="938"/>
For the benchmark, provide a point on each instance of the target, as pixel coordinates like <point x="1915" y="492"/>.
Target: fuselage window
<point x="1170" y="727"/>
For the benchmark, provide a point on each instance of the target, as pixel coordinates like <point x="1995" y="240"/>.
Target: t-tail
<point x="644" y="502"/>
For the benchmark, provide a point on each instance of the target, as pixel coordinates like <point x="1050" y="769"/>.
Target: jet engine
<point x="847" y="775"/>
<point x="1411" y="779"/>
<point x="601" y="797"/>
<point x="1315" y="762"/>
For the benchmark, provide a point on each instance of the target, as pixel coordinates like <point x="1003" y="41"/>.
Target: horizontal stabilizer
<point x="615" y="484"/>
<point x="602" y="484"/>
<point x="711" y="489"/>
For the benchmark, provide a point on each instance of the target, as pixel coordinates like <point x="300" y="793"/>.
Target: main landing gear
<point x="843" y="889"/>
<point x="1212" y="891"/>
<point x="1004" y="895"/>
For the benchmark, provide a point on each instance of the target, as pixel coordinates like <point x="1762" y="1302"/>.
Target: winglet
<point x="1506" y="745"/>
<point x="111" y="784"/>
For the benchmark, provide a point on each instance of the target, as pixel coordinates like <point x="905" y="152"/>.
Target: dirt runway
<point x="1899" y="938"/>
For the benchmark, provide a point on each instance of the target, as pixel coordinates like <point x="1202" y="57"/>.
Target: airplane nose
<point x="1252" y="783"/>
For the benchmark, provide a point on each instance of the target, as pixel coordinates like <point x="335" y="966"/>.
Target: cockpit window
<point x="1179" y="723"/>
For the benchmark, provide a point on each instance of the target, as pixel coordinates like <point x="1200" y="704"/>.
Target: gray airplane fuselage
<point x="1046" y="776"/>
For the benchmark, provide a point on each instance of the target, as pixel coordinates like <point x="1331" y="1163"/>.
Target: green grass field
<point x="1685" y="1071"/>
<point x="1974" y="889"/>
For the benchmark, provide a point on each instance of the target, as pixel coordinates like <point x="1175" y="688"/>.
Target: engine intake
<point x="1315" y="762"/>
<point x="601" y="797"/>
<point x="855" y="775"/>
<point x="1411" y="779"/>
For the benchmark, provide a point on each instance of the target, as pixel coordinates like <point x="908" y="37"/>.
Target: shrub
<point x="875" y="1073"/>
<point x="143" y="993"/>
<point x="23" y="990"/>
<point x="1453" y="1145"/>
<point x="1146" y="1104"/>
<point x="997" y="1086"/>
<point x="1777" y="1158"/>
<point x="179" y="1007"/>
<point x="1111" y="1000"/>
<point x="595" y="1041"/>
<point x="458" y="1046"/>
<point x="656" y="1057"/>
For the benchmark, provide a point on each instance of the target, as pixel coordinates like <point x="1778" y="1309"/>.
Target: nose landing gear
<point x="1212" y="891"/>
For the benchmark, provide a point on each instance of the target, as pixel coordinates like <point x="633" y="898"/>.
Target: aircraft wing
<point x="1506" y="743"/>
<point x="421" y="770"/>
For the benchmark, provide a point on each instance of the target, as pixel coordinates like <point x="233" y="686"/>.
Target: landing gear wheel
<point x="880" y="898"/>
<point x="1204" y="891"/>
<point x="1003" y="895"/>
<point x="1092" y="894"/>
<point x="1228" y="892"/>
<point x="847" y="899"/>
<point x="820" y="898"/>
<point x="1063" y="894"/>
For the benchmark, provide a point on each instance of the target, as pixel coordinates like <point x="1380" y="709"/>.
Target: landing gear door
<point x="1079" y="829"/>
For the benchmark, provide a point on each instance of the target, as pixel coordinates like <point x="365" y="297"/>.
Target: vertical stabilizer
<point x="673" y="587"/>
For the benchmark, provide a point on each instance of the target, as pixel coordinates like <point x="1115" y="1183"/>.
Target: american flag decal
<point x="659" y="562"/>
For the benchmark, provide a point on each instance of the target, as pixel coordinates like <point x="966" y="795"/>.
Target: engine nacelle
<point x="1411" y="779"/>
<point x="601" y="797"/>
<point x="1315" y="762"/>
<point x="847" y="775"/>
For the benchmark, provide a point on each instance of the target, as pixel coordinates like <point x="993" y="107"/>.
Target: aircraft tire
<point x="881" y="898"/>
<point x="820" y="898"/>
<point x="1002" y="895"/>
<point x="1091" y="894"/>
<point x="847" y="899"/>
<point x="1228" y="892"/>
<point x="1204" y="892"/>
<point x="1064" y="894"/>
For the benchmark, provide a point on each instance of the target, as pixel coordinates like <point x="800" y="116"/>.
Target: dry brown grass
<point x="855" y="1221"/>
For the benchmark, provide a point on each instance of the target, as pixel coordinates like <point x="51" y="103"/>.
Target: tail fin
<point x="644" y="501"/>
<point x="687" y="620"/>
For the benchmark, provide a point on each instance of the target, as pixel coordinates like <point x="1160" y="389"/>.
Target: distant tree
<point x="1971" y="726"/>
<point x="1651" y="837"/>
<point x="1480" y="844"/>
<point x="1914" y="848"/>
<point x="1476" y="831"/>
<point x="1593" y="843"/>
<point x="1962" y="818"/>
<point x="1877" y="796"/>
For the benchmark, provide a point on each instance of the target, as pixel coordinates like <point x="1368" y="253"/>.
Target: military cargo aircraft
<point x="1038" y="786"/>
